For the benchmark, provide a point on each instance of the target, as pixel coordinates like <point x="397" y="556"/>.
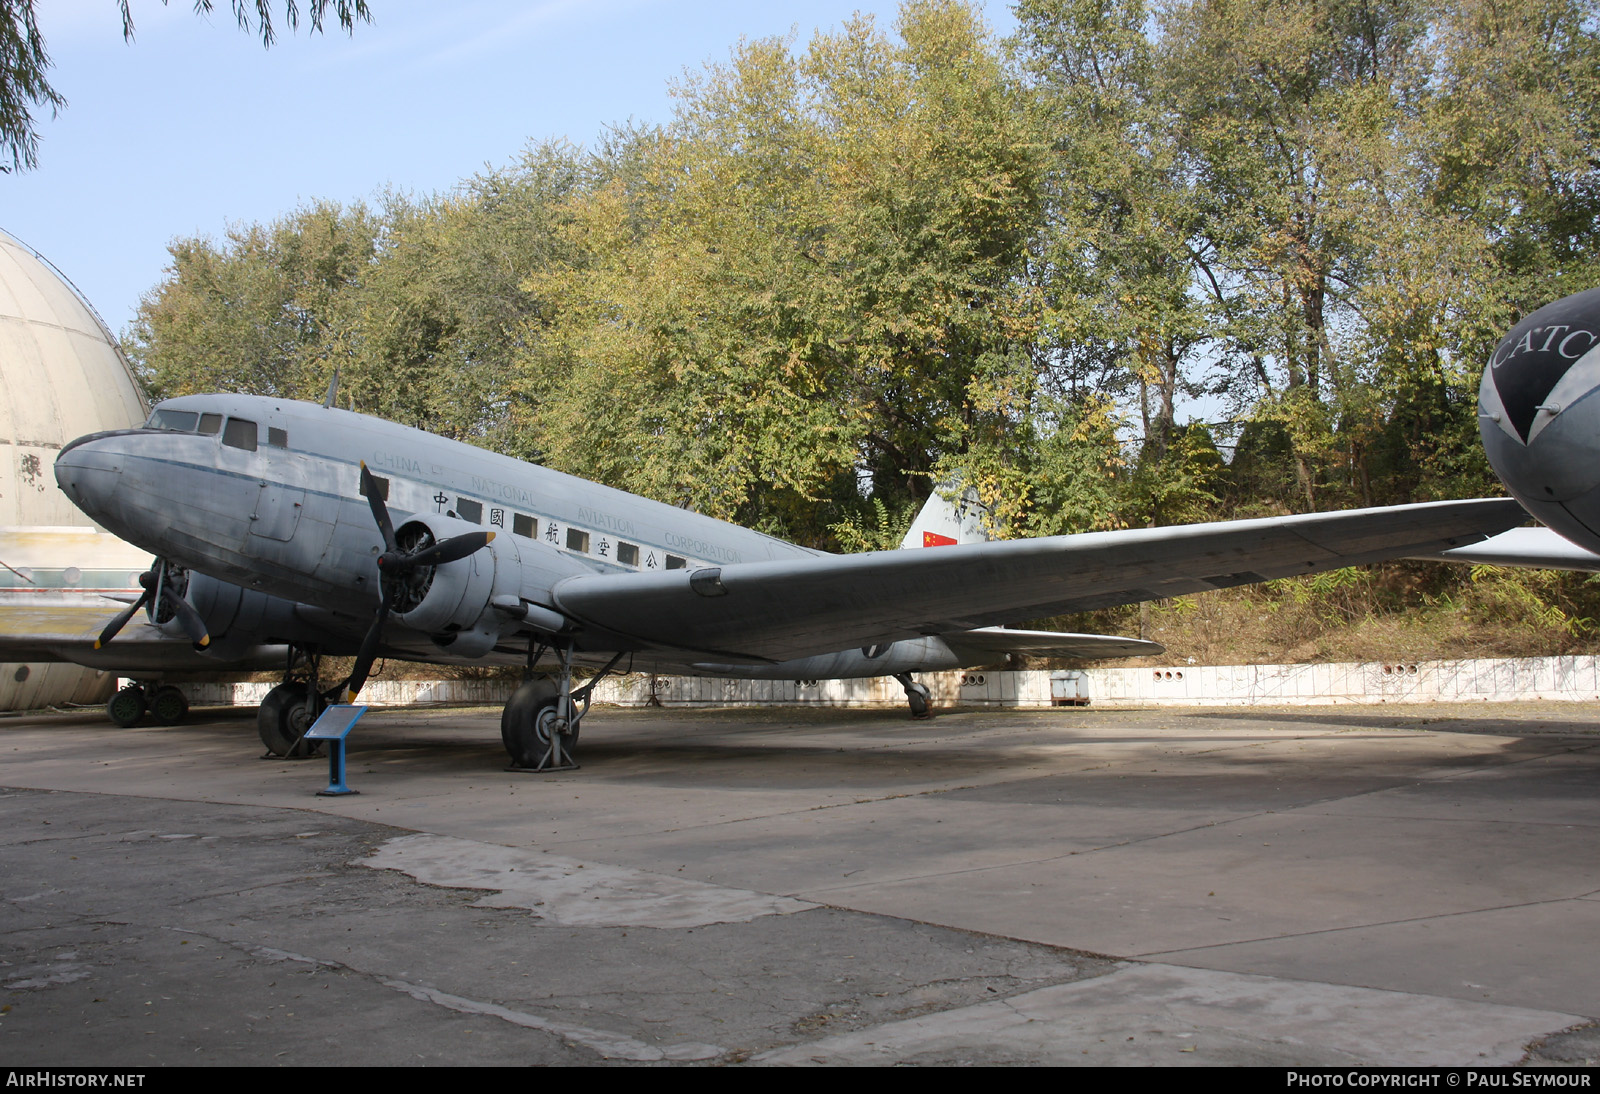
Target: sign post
<point x="333" y="726"/>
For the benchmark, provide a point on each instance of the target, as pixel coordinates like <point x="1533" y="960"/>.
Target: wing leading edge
<point x="801" y="607"/>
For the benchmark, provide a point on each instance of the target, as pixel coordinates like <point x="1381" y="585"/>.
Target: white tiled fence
<point x="1575" y="678"/>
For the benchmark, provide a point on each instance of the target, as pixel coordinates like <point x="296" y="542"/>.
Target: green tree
<point x="1288" y="112"/>
<point x="271" y="311"/>
<point x="809" y="283"/>
<point x="444" y="310"/>
<point x="1121" y="261"/>
<point x="420" y="306"/>
<point x="1119" y="255"/>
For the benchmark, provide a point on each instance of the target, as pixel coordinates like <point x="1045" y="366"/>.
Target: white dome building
<point x="62" y="376"/>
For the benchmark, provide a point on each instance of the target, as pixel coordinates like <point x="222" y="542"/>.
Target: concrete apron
<point x="1314" y="886"/>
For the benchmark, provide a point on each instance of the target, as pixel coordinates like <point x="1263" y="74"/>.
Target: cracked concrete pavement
<point x="1299" y="886"/>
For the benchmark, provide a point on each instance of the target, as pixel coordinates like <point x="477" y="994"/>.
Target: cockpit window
<point x="179" y="421"/>
<point x="210" y="424"/>
<point x="240" y="434"/>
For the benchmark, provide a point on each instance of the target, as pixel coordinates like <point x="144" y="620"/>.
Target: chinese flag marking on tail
<point x="934" y="539"/>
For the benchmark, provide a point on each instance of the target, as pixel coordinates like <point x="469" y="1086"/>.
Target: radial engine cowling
<point x="453" y="602"/>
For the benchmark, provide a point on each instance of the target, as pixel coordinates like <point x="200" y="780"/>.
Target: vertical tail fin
<point x="943" y="523"/>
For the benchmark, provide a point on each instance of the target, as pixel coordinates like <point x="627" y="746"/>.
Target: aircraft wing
<point x="1537" y="548"/>
<point x="67" y="632"/>
<point x="805" y="606"/>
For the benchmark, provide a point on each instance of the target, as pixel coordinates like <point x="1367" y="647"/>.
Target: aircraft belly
<point x="912" y="655"/>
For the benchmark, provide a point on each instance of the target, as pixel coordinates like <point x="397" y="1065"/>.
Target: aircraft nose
<point x="89" y="472"/>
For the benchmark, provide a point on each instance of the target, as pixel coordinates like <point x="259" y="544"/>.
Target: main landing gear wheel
<point x="531" y="729"/>
<point x="169" y="706"/>
<point x="127" y="706"/>
<point x="283" y="718"/>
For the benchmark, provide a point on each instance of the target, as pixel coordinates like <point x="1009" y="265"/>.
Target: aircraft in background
<point x="334" y="533"/>
<point x="1540" y="424"/>
<point x="1540" y="420"/>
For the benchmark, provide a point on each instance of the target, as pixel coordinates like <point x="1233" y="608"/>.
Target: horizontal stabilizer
<point x="1536" y="548"/>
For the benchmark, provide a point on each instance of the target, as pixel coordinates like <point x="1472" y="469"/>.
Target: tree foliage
<point x="811" y="283"/>
<point x="850" y="269"/>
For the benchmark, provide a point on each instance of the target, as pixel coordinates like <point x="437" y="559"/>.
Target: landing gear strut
<point x="918" y="697"/>
<point x="289" y="709"/>
<point x="540" y="724"/>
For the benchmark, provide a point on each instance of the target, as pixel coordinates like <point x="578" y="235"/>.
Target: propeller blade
<point x="380" y="511"/>
<point x="367" y="654"/>
<point x="121" y="619"/>
<point x="188" y="618"/>
<point x="449" y="551"/>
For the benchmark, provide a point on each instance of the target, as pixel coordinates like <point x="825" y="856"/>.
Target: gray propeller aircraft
<point x="279" y="523"/>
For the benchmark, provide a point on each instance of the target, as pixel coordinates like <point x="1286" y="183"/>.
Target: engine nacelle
<point x="455" y="603"/>
<point x="239" y="618"/>
<point x="1539" y="419"/>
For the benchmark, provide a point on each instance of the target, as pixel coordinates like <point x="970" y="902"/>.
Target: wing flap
<point x="801" y="607"/>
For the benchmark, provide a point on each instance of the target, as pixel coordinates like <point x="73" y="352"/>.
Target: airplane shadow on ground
<point x="877" y="753"/>
<point x="1544" y="725"/>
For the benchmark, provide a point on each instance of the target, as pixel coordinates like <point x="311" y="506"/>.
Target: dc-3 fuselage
<point x="266" y="495"/>
<point x="333" y="532"/>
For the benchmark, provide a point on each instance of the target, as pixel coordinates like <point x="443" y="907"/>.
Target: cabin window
<point x="210" y="424"/>
<point x="467" y="509"/>
<point x="524" y="525"/>
<point x="627" y="554"/>
<point x="378" y="481"/>
<point x="577" y="540"/>
<point x="277" y="438"/>
<point x="239" y="433"/>
<point x="675" y="563"/>
<point x="179" y="421"/>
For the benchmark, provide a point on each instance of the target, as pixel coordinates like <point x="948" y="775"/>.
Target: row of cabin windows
<point x="577" y="539"/>
<point x="528" y="528"/>
<point x="237" y="433"/>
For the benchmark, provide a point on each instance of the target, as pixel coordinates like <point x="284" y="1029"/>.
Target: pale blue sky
<point x="194" y="126"/>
